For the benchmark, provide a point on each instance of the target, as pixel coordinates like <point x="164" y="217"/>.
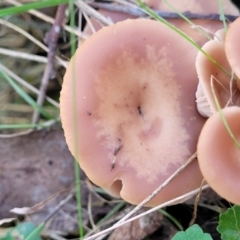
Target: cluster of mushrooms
<point x="130" y="114"/>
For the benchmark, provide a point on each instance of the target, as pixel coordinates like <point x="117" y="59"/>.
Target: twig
<point x="137" y="12"/>
<point x="64" y="201"/>
<point x="51" y="40"/>
<point x="196" y="204"/>
<point x="89" y="207"/>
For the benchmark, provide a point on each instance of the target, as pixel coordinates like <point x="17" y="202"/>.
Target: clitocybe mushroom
<point x="137" y="121"/>
<point x="213" y="80"/>
<point x="219" y="156"/>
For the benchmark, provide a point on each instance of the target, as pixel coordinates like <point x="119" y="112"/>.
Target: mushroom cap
<point x="232" y="47"/>
<point x="211" y="76"/>
<point x="218" y="155"/>
<point x="135" y="102"/>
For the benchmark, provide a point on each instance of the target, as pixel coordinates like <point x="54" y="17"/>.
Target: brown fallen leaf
<point x="139" y="228"/>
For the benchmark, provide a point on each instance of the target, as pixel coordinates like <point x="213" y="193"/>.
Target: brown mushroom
<point x="137" y="121"/>
<point x="219" y="156"/>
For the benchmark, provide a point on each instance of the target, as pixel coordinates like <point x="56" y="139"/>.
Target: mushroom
<point x="219" y="156"/>
<point x="137" y="121"/>
<point x="232" y="47"/>
<point x="214" y="80"/>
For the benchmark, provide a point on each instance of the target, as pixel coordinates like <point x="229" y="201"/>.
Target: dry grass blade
<point x="27" y="85"/>
<point x="48" y="19"/>
<point x="92" y="12"/>
<point x="36" y="207"/>
<point x="23" y="55"/>
<point x="31" y="38"/>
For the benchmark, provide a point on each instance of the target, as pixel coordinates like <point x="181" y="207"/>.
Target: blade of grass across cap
<point x="30" y="6"/>
<point x="187" y="20"/>
<point x="223" y="117"/>
<point x="75" y="124"/>
<point x="152" y="14"/>
<point x="222" y="15"/>
<point x="24" y="95"/>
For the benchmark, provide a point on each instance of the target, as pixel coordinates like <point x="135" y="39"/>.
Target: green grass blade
<point x="24" y="95"/>
<point x="19" y="126"/>
<point x="112" y="212"/>
<point x="187" y="20"/>
<point x="75" y="122"/>
<point x="30" y="6"/>
<point x="222" y="15"/>
<point x="29" y="126"/>
<point x="36" y="232"/>
<point x="171" y="218"/>
<point x="223" y="117"/>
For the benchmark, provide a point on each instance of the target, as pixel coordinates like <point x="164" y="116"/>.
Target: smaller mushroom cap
<point x="212" y="79"/>
<point x="218" y="155"/>
<point x="232" y="47"/>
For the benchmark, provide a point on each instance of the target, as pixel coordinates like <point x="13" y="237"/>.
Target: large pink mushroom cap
<point x="135" y="110"/>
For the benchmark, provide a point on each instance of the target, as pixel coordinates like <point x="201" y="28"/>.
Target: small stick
<point x="51" y="39"/>
<point x="137" y="12"/>
<point x="196" y="204"/>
